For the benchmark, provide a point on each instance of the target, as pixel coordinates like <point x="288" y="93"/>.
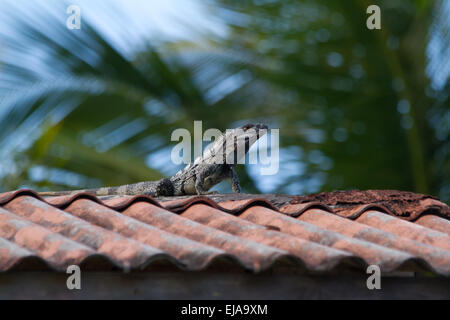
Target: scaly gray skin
<point x="196" y="178"/>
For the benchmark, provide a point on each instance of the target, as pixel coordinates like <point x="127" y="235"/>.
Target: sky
<point x="168" y="20"/>
<point x="143" y="19"/>
<point x="438" y="50"/>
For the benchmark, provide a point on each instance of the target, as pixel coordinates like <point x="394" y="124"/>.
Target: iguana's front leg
<point x="203" y="173"/>
<point x="234" y="181"/>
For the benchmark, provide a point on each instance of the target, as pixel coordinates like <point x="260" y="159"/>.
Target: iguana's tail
<point x="163" y="187"/>
<point x="97" y="192"/>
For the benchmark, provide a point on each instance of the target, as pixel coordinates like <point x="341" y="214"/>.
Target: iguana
<point x="215" y="164"/>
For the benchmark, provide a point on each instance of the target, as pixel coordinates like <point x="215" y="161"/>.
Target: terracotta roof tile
<point x="56" y="249"/>
<point x="436" y="223"/>
<point x="387" y="258"/>
<point x="323" y="232"/>
<point x="315" y="255"/>
<point x="195" y="255"/>
<point x="124" y="251"/>
<point x="251" y="254"/>
<point x="405" y="229"/>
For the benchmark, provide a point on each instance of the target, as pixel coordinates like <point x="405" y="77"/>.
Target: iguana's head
<point x="233" y="145"/>
<point x="240" y="140"/>
<point x="251" y="133"/>
<point x="256" y="127"/>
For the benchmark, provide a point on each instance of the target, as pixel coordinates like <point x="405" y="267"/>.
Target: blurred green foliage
<point x="354" y="106"/>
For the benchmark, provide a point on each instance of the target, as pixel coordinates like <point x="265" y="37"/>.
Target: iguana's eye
<point x="261" y="126"/>
<point x="247" y="126"/>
